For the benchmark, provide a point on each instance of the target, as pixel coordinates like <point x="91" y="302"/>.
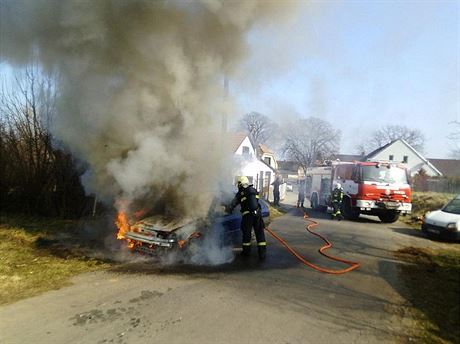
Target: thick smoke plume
<point x="141" y="89"/>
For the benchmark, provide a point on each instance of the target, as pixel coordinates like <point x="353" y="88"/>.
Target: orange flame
<point x="194" y="235"/>
<point x="122" y="224"/>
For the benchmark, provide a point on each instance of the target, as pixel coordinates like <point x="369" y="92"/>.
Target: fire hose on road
<point x="352" y="265"/>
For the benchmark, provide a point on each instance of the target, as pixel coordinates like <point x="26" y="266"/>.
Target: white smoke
<point x="141" y="93"/>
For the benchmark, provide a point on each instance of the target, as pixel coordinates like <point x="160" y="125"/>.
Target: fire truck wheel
<point x="389" y="217"/>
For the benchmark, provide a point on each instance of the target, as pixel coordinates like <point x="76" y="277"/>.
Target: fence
<point x="444" y="185"/>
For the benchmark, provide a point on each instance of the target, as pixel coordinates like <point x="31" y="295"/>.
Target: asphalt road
<point x="277" y="301"/>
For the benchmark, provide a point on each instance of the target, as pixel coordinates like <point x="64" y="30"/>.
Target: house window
<point x="268" y="160"/>
<point x="391" y="157"/>
<point x="405" y="159"/>
<point x="245" y="150"/>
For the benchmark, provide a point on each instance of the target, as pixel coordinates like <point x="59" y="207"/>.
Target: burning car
<point x="155" y="234"/>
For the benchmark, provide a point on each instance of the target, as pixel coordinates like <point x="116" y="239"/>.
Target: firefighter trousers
<point x="248" y="222"/>
<point x="336" y="210"/>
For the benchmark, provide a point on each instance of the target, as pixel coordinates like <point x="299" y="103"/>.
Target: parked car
<point x="154" y="234"/>
<point x="444" y="223"/>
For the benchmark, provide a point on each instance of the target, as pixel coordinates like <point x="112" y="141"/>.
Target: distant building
<point x="267" y="155"/>
<point x="288" y="169"/>
<point x="402" y="152"/>
<point x="440" y="175"/>
<point x="259" y="172"/>
<point x="348" y="157"/>
<point x="242" y="145"/>
<point x="448" y="167"/>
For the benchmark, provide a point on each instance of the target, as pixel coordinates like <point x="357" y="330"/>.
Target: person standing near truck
<point x="276" y="190"/>
<point x="336" y="199"/>
<point x="301" y="196"/>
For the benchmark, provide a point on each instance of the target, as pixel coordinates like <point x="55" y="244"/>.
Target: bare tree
<point x="309" y="140"/>
<point x="35" y="177"/>
<point x="391" y="133"/>
<point x="258" y="126"/>
<point x="454" y="137"/>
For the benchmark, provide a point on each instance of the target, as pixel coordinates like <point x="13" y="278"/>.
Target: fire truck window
<point x="355" y="173"/>
<point x="325" y="186"/>
<point x="384" y="175"/>
<point x="348" y="172"/>
<point x="344" y="172"/>
<point x="338" y="172"/>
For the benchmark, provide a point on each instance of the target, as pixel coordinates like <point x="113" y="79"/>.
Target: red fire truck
<point x="372" y="187"/>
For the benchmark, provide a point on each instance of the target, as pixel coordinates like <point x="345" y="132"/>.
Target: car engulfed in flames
<point x="155" y="234"/>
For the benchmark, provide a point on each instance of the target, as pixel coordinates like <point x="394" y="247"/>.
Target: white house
<point x="402" y="152"/>
<point x="259" y="173"/>
<point x="267" y="155"/>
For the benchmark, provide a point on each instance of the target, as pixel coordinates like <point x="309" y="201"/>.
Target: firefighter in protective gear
<point x="337" y="198"/>
<point x="248" y="198"/>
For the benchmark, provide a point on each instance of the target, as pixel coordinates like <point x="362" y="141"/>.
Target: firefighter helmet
<point x="338" y="186"/>
<point x="243" y="181"/>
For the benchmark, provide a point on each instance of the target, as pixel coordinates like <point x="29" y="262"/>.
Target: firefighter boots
<point x="246" y="251"/>
<point x="262" y="252"/>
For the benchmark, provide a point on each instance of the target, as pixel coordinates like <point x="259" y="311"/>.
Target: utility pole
<point x="224" y="113"/>
<point x="223" y="131"/>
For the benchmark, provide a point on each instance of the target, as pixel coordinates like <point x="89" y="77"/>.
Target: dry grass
<point x="423" y="202"/>
<point x="276" y="212"/>
<point x="432" y="281"/>
<point x="28" y="268"/>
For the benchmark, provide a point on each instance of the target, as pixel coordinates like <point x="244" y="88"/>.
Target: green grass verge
<point x="28" y="268"/>
<point x="432" y="281"/>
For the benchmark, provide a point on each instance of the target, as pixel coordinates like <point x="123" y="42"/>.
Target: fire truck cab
<point x="372" y="187"/>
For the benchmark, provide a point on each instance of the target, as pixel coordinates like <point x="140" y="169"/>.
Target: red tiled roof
<point x="264" y="149"/>
<point x="235" y="140"/>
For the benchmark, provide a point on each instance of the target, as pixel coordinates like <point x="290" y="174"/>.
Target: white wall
<point x="273" y="162"/>
<point x="246" y="143"/>
<point x="399" y="149"/>
<point x="250" y="166"/>
<point x="253" y="169"/>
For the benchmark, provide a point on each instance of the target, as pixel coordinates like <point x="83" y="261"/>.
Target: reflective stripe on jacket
<point x="337" y="195"/>
<point x="248" y="198"/>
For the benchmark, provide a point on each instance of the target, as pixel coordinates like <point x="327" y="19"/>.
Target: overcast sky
<point x="360" y="65"/>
